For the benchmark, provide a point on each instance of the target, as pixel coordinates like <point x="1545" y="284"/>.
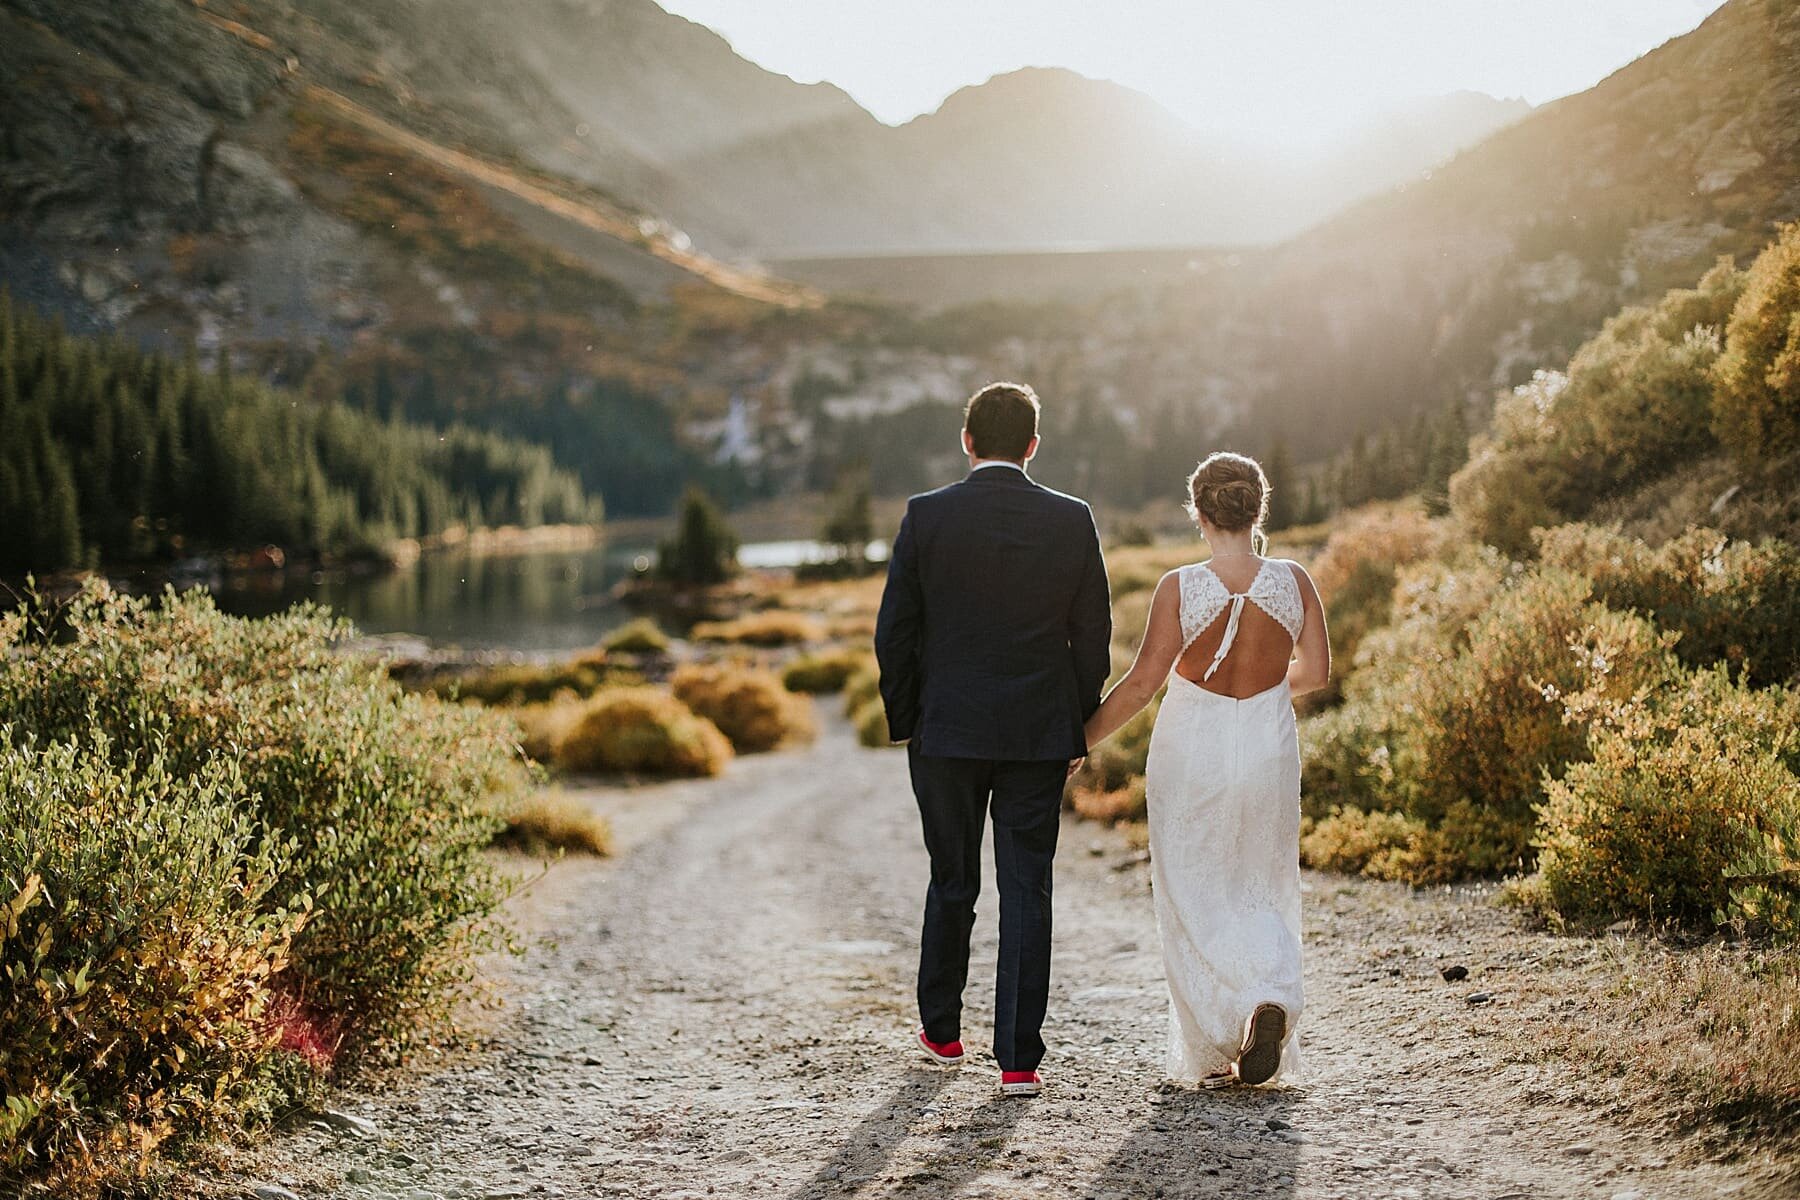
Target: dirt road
<point x="725" y="1010"/>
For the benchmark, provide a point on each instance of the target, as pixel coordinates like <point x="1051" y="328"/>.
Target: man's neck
<point x="975" y="464"/>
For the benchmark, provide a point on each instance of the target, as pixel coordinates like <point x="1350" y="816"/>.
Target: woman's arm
<point x="1149" y="671"/>
<point x="1311" y="668"/>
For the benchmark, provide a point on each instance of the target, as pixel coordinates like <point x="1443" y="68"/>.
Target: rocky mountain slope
<point x="445" y="205"/>
<point x="1510" y="255"/>
<point x="663" y="115"/>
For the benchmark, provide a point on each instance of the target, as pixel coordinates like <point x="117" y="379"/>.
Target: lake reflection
<point x="533" y="602"/>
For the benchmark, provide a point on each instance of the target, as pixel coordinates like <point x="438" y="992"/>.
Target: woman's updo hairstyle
<point x="1230" y="491"/>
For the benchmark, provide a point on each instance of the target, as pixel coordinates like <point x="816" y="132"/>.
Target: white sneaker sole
<point x="943" y="1060"/>
<point x="1021" y="1089"/>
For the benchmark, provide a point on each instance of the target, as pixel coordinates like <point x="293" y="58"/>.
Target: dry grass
<point x="1707" y="1036"/>
<point x="1113" y="807"/>
<point x="639" y="636"/>
<point x="750" y="706"/>
<point x="550" y="820"/>
<point x="870" y="719"/>
<point x="776" y="627"/>
<point x="643" y="731"/>
<point x="825" y="672"/>
<point x="861" y="689"/>
<point x="542" y="726"/>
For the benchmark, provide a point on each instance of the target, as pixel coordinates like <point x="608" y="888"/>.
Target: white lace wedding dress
<point x="1224" y="799"/>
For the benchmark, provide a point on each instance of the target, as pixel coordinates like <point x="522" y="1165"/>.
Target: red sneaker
<point x="947" y="1053"/>
<point x="1020" y="1083"/>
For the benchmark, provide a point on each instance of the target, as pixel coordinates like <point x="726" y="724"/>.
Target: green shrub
<point x="862" y="687"/>
<point x="641" y="635"/>
<point x="749" y="706"/>
<point x="1731" y="602"/>
<point x="1380" y="845"/>
<point x="389" y="799"/>
<point x="1460" y="708"/>
<point x="1356" y="572"/>
<point x="1756" y="407"/>
<point x="1486" y="724"/>
<point x="870" y="719"/>
<point x="143" y="912"/>
<point x="1688" y="811"/>
<point x="1345" y="762"/>
<point x="825" y="672"/>
<point x="1634" y="402"/>
<point x="642" y="730"/>
<point x="1658" y="829"/>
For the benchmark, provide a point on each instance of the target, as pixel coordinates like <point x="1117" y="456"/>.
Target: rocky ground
<point x="725" y="1010"/>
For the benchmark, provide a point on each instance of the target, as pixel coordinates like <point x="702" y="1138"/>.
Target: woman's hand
<point x="1149" y="671"/>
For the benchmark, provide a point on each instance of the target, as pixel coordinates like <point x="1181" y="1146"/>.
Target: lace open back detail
<point x="1204" y="596"/>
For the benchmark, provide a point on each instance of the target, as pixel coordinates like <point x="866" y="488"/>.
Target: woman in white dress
<point x="1236" y="638"/>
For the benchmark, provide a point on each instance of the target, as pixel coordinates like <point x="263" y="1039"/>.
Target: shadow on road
<point x="1205" y="1144"/>
<point x="870" y="1148"/>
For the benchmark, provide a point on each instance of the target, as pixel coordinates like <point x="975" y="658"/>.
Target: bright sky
<point x="1288" y="73"/>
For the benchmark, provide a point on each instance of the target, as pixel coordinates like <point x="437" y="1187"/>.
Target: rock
<point x="1581" y="1150"/>
<point x="350" y="1123"/>
<point x="358" y="1175"/>
<point x="1480" y="998"/>
<point x="271" y="1191"/>
<point x="1455" y="974"/>
<point x="1277" y="1124"/>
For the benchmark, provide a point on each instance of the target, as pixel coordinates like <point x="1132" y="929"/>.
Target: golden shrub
<point x="824" y="672"/>
<point x="549" y="820"/>
<point x="1654" y="830"/>
<point x="749" y="706"/>
<point x="768" y="629"/>
<point x="861" y="688"/>
<point x="642" y="730"/>
<point x="1394" y="534"/>
<point x="1756" y="405"/>
<point x="870" y="719"/>
<point x="1380" y="845"/>
<point x="542" y="726"/>
<point x="1110" y="807"/>
<point x="639" y="636"/>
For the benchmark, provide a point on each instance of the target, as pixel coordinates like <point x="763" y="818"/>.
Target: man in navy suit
<point x="994" y="640"/>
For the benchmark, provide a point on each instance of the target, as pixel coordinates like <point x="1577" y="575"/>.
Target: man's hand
<point x="1074" y="766"/>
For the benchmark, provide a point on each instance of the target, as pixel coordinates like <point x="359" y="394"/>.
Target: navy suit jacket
<point x="995" y="630"/>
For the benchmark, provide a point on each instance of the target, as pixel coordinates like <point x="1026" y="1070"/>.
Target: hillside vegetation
<point x="126" y="456"/>
<point x="1613" y="714"/>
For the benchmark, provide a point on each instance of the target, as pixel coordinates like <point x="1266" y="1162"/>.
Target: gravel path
<point x="725" y="1010"/>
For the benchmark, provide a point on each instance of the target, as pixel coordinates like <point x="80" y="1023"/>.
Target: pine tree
<point x="704" y="549"/>
<point x="850" y="527"/>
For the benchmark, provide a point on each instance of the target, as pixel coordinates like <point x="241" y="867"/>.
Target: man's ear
<point x="968" y="444"/>
<point x="1031" y="448"/>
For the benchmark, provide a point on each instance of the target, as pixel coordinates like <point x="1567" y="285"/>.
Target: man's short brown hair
<point x="1002" y="418"/>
